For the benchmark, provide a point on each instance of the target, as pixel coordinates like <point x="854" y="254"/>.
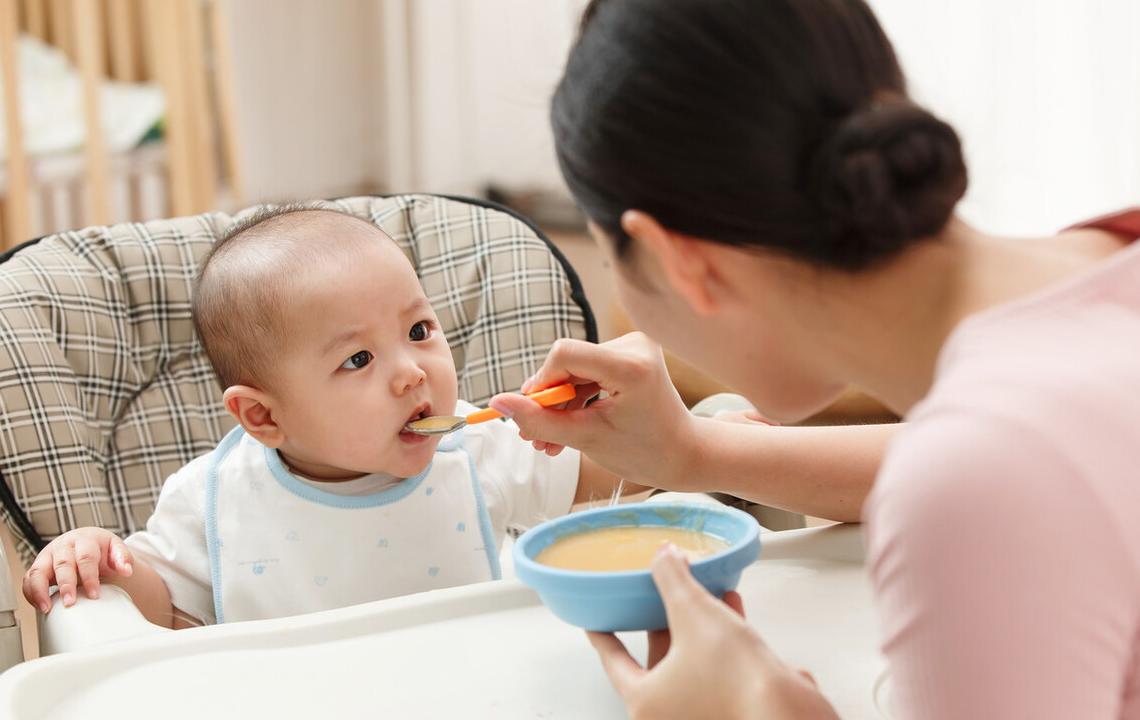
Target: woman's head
<point x="779" y="126"/>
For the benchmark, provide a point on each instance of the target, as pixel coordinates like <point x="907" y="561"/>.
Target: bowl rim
<point x="525" y="564"/>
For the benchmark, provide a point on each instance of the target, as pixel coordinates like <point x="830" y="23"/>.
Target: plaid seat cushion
<point x="105" y="391"/>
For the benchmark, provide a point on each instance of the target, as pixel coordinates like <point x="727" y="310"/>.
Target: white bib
<point x="278" y="546"/>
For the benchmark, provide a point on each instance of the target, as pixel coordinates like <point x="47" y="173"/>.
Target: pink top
<point x="1004" y="527"/>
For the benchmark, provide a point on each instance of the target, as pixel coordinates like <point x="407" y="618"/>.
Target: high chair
<point x="104" y="390"/>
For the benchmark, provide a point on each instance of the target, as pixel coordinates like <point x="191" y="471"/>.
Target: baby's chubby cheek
<point x="407" y="469"/>
<point x="405" y="461"/>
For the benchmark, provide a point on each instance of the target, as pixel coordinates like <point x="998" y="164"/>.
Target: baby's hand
<point x="77" y="557"/>
<point x="743" y="417"/>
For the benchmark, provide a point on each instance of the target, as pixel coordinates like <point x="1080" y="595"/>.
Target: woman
<point x="779" y="213"/>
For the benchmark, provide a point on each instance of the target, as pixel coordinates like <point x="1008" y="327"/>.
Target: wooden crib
<point x="181" y="45"/>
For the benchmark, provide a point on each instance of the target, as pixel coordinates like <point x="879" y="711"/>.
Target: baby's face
<point x="365" y="354"/>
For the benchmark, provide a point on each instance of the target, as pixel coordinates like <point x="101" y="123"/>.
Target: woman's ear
<point x="688" y="263"/>
<point x="253" y="409"/>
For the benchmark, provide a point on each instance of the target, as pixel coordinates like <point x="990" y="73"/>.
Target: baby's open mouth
<point x="421" y="411"/>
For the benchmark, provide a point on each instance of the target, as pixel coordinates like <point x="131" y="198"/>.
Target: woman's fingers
<point x="559" y="427"/>
<point x="87" y="556"/>
<point x="659" y="641"/>
<point x="586" y="393"/>
<point x="619" y="665"/>
<point x="609" y="365"/>
<point x="63" y="563"/>
<point x="538" y="423"/>
<point x="639" y="429"/>
<point x="734" y="601"/>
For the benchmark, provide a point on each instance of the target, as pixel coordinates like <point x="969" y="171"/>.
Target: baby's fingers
<point x="120" y="557"/>
<point x="87" y="557"/>
<point x="37" y="582"/>
<point x="63" y="562"/>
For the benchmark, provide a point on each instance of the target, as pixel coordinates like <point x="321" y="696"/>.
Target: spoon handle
<point x="550" y="396"/>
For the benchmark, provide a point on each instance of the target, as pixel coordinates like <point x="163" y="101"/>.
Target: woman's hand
<point x="640" y="430"/>
<point x="78" y="557"/>
<point x="709" y="663"/>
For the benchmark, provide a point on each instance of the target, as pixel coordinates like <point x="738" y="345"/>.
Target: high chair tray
<point x="485" y="651"/>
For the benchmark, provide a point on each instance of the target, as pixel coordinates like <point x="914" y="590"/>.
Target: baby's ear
<point x="253" y="409"/>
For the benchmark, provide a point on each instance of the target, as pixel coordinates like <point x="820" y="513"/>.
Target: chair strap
<point x="19" y="516"/>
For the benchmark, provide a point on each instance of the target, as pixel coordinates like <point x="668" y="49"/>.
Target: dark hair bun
<point x="888" y="174"/>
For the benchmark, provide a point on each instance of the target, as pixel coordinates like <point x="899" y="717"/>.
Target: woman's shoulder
<point x="1019" y="464"/>
<point x="957" y="486"/>
<point x="951" y="456"/>
<point x="1125" y="223"/>
<point x="1059" y="398"/>
<point x="989" y="548"/>
<point x="1062" y="360"/>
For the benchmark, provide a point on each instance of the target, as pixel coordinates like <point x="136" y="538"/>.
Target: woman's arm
<point x="641" y="431"/>
<point x="821" y="471"/>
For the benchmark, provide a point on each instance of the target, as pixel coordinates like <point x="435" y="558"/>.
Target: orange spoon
<point x="444" y="424"/>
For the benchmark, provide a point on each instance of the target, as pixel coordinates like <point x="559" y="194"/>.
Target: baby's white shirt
<point x="234" y="531"/>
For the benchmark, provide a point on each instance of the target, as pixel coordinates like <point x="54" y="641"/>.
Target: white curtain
<point x="469" y="87"/>
<point x="1045" y="93"/>
<point x="1046" y="97"/>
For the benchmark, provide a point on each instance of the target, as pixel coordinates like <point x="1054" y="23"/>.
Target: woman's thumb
<point x="680" y="591"/>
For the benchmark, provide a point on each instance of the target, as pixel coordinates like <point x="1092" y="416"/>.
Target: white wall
<point x="480" y="73"/>
<point x="437" y="95"/>
<point x="304" y="78"/>
<point x="1046" y="97"/>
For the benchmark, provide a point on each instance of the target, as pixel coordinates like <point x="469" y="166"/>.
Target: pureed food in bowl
<point x="625" y="548"/>
<point x="627" y="599"/>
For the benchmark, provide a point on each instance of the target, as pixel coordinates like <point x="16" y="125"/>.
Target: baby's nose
<point x="409" y="380"/>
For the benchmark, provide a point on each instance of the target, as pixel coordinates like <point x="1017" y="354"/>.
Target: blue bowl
<point x="628" y="600"/>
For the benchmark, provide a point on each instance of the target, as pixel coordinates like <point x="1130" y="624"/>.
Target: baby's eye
<point x="357" y="361"/>
<point x="420" y="331"/>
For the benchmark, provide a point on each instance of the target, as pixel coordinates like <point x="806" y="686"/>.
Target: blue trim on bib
<point x="489" y="545"/>
<point x="451" y="443"/>
<point x="306" y="491"/>
<point x="213" y="547"/>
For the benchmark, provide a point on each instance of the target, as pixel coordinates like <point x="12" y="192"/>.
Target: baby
<point x="325" y="345"/>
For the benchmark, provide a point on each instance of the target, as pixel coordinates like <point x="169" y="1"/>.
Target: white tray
<point x="486" y="651"/>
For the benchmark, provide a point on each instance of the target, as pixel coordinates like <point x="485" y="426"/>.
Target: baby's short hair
<point x="243" y="284"/>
